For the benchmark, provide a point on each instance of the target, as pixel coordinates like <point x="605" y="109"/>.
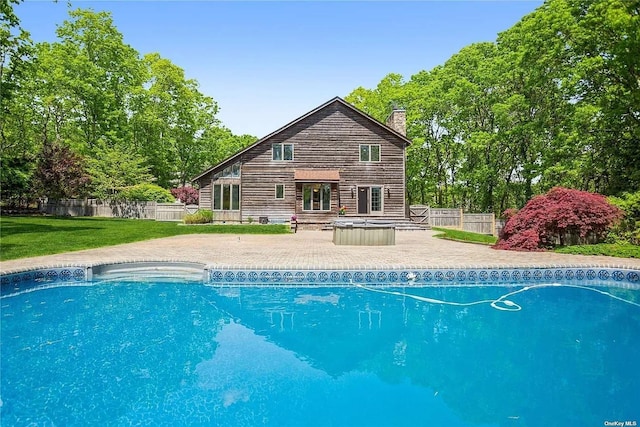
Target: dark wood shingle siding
<point x="205" y="193"/>
<point x="258" y="191"/>
<point x="328" y="139"/>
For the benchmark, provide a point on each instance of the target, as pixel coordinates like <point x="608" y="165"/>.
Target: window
<point x="376" y="199"/>
<point x="235" y="197"/>
<point x="217" y="200"/>
<point x="279" y="191"/>
<point x="316" y="197"/>
<point x="226" y="197"/>
<point x="232" y="171"/>
<point x="282" y="152"/>
<point x="369" y="153"/>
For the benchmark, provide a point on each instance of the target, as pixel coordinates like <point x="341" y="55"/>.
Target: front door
<point x="363" y="200"/>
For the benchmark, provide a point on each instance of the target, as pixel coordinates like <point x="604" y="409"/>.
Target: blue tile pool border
<point x="12" y="283"/>
<point x="620" y="277"/>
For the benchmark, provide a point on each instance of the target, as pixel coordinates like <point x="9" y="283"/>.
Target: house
<point x="333" y="157"/>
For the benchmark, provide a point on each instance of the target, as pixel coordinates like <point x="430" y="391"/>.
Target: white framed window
<point x="226" y="197"/>
<point x="316" y="197"/>
<point x="369" y="152"/>
<point x="279" y="191"/>
<point x="281" y="152"/>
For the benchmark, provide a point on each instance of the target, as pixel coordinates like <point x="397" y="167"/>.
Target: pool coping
<point x="268" y="266"/>
<point x="38" y="277"/>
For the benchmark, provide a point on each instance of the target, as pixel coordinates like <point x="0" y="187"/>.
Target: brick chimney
<point x="397" y="121"/>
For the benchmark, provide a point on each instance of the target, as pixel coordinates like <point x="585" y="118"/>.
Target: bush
<point x="187" y="195"/>
<point x="628" y="229"/>
<point x="202" y="216"/>
<point x="560" y="217"/>
<point x="146" y="193"/>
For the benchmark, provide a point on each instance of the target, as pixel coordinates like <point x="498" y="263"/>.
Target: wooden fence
<point x="483" y="223"/>
<point x="119" y="209"/>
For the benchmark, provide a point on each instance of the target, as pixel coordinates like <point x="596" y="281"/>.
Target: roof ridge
<point x="299" y="119"/>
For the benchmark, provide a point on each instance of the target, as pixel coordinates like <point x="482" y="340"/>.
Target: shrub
<point x="562" y="216"/>
<point x="187" y="195"/>
<point x="506" y="215"/>
<point x="202" y="216"/>
<point x="628" y="229"/>
<point x="146" y="193"/>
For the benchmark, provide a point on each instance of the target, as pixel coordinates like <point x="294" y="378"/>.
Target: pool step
<point x="187" y="271"/>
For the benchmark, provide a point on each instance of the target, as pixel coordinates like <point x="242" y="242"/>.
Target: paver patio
<point x="315" y="250"/>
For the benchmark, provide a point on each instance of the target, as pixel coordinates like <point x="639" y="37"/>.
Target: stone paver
<point x="315" y="250"/>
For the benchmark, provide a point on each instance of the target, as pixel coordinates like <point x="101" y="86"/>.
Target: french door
<point x="370" y="200"/>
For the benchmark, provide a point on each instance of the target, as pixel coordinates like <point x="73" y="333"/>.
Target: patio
<point x="315" y="250"/>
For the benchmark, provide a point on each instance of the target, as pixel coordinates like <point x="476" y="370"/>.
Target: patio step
<point x="401" y="224"/>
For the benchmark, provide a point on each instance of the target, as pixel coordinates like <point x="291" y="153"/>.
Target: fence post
<point x="461" y="220"/>
<point x="493" y="223"/>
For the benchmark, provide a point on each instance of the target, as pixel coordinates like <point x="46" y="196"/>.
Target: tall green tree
<point x="554" y="101"/>
<point x="134" y="120"/>
<point x="224" y="143"/>
<point x="99" y="73"/>
<point x="170" y="124"/>
<point x="605" y="46"/>
<point x="111" y="169"/>
<point x="17" y="151"/>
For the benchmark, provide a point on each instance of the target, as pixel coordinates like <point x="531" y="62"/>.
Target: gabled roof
<point x="299" y="119"/>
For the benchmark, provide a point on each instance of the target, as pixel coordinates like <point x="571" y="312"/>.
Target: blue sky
<point x="267" y="63"/>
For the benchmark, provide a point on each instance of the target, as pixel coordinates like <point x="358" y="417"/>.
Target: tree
<point x="554" y="101"/>
<point x="604" y="47"/>
<point x="98" y="73"/>
<point x="112" y="169"/>
<point x="16" y="67"/>
<point x="561" y="216"/>
<point x="223" y="143"/>
<point x="59" y="173"/>
<point x="171" y="123"/>
<point x="379" y="103"/>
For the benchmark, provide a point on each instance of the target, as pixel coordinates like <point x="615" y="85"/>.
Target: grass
<point x="464" y="236"/>
<point x="620" y="250"/>
<point x="29" y="236"/>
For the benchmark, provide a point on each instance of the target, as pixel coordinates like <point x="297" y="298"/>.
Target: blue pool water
<point x="167" y="353"/>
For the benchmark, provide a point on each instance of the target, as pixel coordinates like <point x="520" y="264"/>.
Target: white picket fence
<point x="119" y="209"/>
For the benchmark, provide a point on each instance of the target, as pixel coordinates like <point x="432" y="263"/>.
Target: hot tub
<point x="364" y="233"/>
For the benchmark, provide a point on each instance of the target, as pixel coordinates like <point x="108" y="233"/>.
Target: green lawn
<point x="29" y="236"/>
<point x="465" y="236"/>
<point x="621" y="250"/>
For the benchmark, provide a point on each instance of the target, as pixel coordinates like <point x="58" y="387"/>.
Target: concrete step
<point x="401" y="224"/>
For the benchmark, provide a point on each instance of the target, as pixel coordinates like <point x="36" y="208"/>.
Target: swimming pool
<point x="172" y="352"/>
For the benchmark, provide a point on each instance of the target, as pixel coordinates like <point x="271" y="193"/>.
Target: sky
<point x="267" y="63"/>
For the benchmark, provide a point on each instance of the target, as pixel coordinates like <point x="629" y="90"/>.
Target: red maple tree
<point x="560" y="217"/>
